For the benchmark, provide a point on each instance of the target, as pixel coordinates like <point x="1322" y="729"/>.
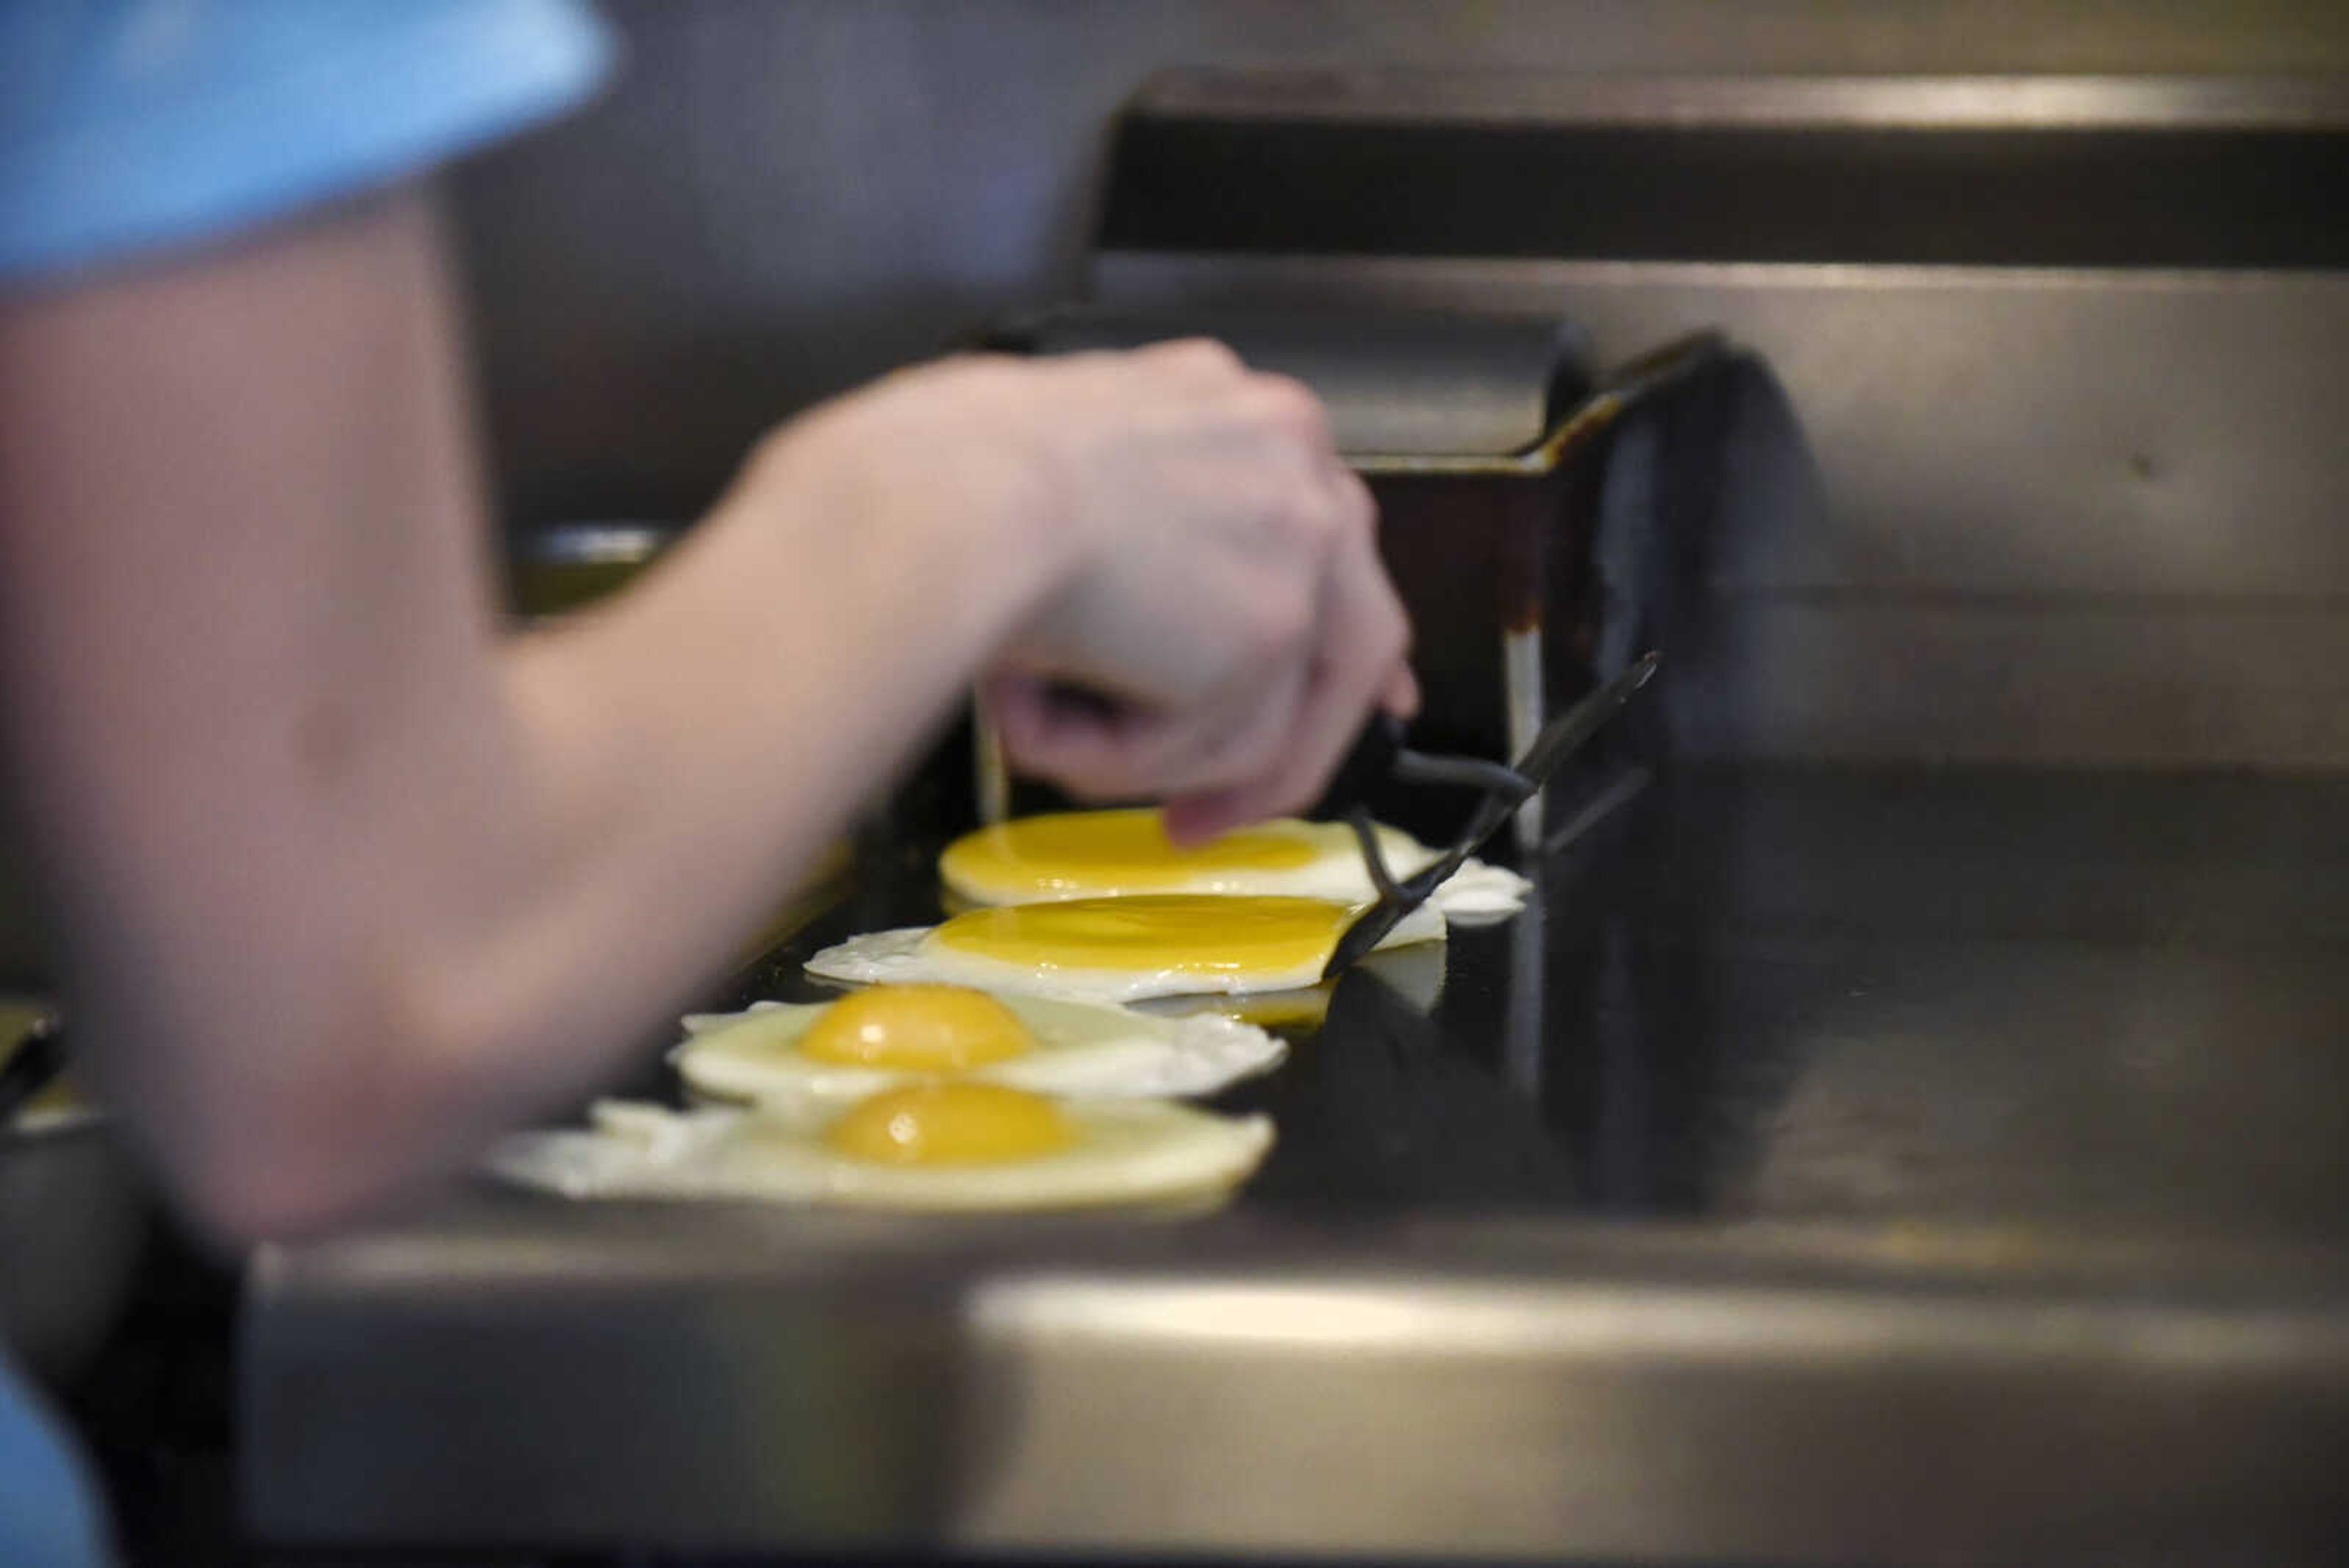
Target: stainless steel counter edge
<point x="2045" y="102"/>
<point x="735" y="1379"/>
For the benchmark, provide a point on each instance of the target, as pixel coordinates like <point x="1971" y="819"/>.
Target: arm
<point x="344" y="883"/>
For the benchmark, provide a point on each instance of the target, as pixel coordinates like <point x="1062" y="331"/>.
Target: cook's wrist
<point x="980" y="527"/>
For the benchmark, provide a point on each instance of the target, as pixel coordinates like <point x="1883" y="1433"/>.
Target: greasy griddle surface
<point x="2003" y="1120"/>
<point x="2090" y="1001"/>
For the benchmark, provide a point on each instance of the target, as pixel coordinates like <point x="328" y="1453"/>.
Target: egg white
<point x="1082" y="1050"/>
<point x="1414" y="975"/>
<point x="907" y="953"/>
<point x="1478" y="893"/>
<point x="1127" y="1152"/>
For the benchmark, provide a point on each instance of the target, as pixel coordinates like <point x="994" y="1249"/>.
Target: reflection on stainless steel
<point x="1594" y="1419"/>
<point x="1524" y="1033"/>
<point x="1396" y="387"/>
<point x="1411" y="975"/>
<point x="73" y="1204"/>
<point x="1521" y="697"/>
<point x="74" y="1219"/>
<point x="1487" y="448"/>
<point x="1420" y="97"/>
<point x="1987" y="1135"/>
<point x="990" y="771"/>
<point x="2146" y="572"/>
<point x="562" y="568"/>
<point x="1612" y="798"/>
<point x="720" y="1380"/>
<point x="594" y="543"/>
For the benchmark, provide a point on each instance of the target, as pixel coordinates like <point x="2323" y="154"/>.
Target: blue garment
<point x="127" y="126"/>
<point x="133" y="127"/>
<point x="46" y="1517"/>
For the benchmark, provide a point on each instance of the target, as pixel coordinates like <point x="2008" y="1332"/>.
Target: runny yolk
<point x="1102" y="852"/>
<point x="1184" y="933"/>
<point x="916" y="1029"/>
<point x="953" y="1123"/>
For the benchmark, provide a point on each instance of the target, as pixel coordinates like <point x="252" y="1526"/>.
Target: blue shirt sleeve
<point x="132" y="126"/>
<point x="48" y="1508"/>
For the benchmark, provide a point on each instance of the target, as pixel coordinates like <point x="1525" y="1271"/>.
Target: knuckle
<point x="1204" y="355"/>
<point x="1289" y="406"/>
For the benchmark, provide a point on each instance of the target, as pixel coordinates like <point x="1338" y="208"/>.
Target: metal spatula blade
<point x="1559" y="740"/>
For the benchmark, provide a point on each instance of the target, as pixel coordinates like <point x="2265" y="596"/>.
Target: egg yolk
<point x="1277" y="1010"/>
<point x="1104" y="852"/>
<point x="1181" y="933"/>
<point x="916" y="1029"/>
<point x="950" y="1124"/>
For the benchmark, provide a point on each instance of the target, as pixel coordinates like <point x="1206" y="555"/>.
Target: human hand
<point x="1224" y="596"/>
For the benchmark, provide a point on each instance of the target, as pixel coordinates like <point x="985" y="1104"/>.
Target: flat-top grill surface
<point x="1828" y="1167"/>
<point x="2096" y="1001"/>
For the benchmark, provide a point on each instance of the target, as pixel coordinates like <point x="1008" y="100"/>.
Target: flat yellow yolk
<point x="966" y="1123"/>
<point x="1278" y="1010"/>
<point x="1182" y="933"/>
<point x="916" y="1029"/>
<point x="1103" y="852"/>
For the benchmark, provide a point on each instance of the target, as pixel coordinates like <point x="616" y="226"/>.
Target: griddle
<point x="1830" y="1167"/>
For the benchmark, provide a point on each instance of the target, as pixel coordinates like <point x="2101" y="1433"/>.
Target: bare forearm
<point x="686" y="752"/>
<point x="344" y="882"/>
<point x="347" y="882"/>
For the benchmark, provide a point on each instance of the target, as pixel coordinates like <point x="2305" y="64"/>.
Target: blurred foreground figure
<point x="346" y="879"/>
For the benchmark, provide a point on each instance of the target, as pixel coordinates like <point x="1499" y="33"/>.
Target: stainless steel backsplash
<point x="2073" y="517"/>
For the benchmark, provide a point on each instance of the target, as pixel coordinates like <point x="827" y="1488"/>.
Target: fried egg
<point x="1414" y="975"/>
<point x="1103" y="853"/>
<point x="891" y="1035"/>
<point x="954" y="1145"/>
<point x="1118" y="950"/>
